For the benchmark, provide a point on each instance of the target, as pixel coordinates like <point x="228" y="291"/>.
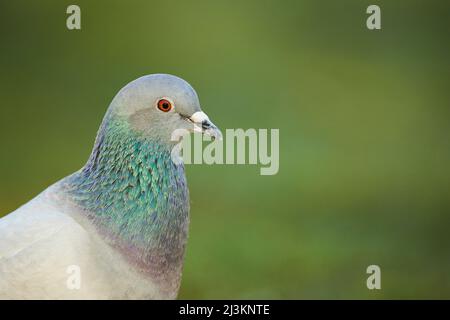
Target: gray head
<point x="158" y="104"/>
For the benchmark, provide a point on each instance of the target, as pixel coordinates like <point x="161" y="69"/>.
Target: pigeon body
<point x="117" y="228"/>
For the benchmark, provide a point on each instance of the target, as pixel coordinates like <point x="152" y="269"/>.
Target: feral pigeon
<point x="117" y="228"/>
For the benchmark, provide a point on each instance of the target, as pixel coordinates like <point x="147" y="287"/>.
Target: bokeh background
<point x="363" y="118"/>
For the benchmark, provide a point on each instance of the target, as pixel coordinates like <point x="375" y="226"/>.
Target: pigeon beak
<point x="204" y="125"/>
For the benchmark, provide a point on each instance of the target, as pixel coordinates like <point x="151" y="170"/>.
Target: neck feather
<point x="137" y="198"/>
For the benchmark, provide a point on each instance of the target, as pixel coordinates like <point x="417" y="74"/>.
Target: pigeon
<point x="118" y="227"/>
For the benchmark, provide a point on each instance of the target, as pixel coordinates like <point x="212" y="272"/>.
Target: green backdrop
<point x="363" y="118"/>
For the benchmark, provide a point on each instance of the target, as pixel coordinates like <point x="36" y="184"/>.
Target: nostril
<point x="206" y="124"/>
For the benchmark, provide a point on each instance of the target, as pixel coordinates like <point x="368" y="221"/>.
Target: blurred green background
<point x="363" y="118"/>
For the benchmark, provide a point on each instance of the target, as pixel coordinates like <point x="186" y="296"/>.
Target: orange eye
<point x="164" y="105"/>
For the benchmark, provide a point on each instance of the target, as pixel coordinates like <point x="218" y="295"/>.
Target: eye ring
<point x="165" y="105"/>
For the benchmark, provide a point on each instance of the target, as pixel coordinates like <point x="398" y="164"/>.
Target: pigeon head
<point x="157" y="105"/>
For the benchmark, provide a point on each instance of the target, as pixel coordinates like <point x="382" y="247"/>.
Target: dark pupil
<point x="165" y="105"/>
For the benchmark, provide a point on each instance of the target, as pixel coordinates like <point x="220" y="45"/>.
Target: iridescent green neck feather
<point x="136" y="197"/>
